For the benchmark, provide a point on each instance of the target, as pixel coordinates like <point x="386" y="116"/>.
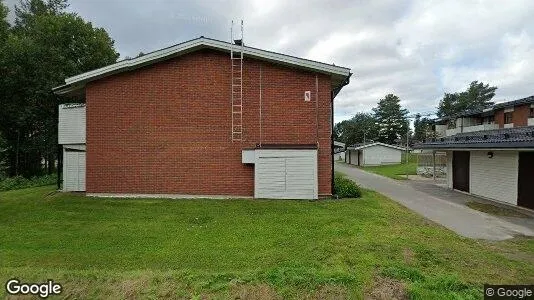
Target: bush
<point x="346" y="188"/>
<point x="19" y="182"/>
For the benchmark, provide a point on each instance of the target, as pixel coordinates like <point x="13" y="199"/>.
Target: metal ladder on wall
<point x="236" y="59"/>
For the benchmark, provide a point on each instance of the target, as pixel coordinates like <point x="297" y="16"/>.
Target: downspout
<point x="261" y="91"/>
<point x="332" y="141"/>
<point x="333" y="94"/>
<point x="317" y="111"/>
<point x="59" y="147"/>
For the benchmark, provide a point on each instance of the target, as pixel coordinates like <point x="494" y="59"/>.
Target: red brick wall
<point x="499" y="118"/>
<point x="166" y="128"/>
<point x="520" y="115"/>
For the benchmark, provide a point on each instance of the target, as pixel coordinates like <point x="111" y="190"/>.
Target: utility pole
<point x="407" y="144"/>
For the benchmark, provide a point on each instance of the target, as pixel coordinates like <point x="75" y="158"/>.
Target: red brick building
<point x="165" y="124"/>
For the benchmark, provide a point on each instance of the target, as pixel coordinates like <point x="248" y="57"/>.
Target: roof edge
<point x="193" y="45"/>
<point x="376" y="143"/>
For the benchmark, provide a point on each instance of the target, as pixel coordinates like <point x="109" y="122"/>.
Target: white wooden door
<point x="286" y="174"/>
<point x="74" y="171"/>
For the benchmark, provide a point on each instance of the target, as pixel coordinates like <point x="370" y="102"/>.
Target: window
<point x="531" y="112"/>
<point x="508" y="117"/>
<point x="489" y="120"/>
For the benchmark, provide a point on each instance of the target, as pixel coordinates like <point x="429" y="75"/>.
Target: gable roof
<point x="339" y="144"/>
<point x="362" y="146"/>
<point x="339" y="75"/>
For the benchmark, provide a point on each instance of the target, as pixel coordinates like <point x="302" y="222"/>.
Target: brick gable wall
<point x="166" y="128"/>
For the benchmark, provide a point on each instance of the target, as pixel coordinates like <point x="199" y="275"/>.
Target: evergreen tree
<point x="391" y="119"/>
<point x="477" y="97"/>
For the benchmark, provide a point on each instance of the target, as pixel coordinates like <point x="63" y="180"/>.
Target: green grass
<point x="397" y="171"/>
<point x="154" y="248"/>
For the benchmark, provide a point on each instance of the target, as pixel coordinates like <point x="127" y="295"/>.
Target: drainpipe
<point x="333" y="94"/>
<point x="332" y="141"/>
<point x="59" y="148"/>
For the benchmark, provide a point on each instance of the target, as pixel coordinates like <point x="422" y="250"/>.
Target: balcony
<point x="530" y="122"/>
<point x="71" y="125"/>
<point x="482" y="127"/>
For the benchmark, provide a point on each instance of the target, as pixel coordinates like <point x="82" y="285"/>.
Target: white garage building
<point x="373" y="154"/>
<point x="493" y="164"/>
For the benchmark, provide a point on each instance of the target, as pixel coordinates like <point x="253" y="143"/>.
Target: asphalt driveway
<point x="442" y="206"/>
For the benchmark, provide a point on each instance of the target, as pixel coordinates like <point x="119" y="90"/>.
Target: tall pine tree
<point x="391" y="119"/>
<point x="477" y="97"/>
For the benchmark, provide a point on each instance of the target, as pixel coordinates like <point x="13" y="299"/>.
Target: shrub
<point x="346" y="188"/>
<point x="19" y="182"/>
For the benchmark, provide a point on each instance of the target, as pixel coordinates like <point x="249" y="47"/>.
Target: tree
<point x="421" y="127"/>
<point x="477" y="97"/>
<point x="45" y="46"/>
<point x="391" y="119"/>
<point x="355" y="130"/>
<point x="4" y="24"/>
<point x="448" y="105"/>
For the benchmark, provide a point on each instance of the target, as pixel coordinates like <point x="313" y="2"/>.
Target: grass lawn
<point x="397" y="171"/>
<point x="152" y="248"/>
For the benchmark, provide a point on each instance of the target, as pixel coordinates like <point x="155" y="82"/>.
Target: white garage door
<point x="74" y="171"/>
<point x="285" y="174"/>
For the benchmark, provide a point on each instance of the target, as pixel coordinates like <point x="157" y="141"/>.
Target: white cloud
<point x="417" y="49"/>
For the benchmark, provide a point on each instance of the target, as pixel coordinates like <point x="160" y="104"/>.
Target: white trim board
<point x="194" y="45"/>
<point x="375" y="144"/>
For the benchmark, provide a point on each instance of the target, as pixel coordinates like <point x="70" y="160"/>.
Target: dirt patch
<point x="330" y="292"/>
<point x="131" y="288"/>
<point x="387" y="289"/>
<point x="408" y="255"/>
<point x="249" y="291"/>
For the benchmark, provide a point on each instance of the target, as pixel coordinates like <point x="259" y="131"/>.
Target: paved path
<point x="438" y="208"/>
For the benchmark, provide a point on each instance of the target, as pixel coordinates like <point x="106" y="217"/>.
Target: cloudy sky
<point x="415" y="49"/>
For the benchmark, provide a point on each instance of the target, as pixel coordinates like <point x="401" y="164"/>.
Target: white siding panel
<point x="71" y="125"/>
<point x="381" y="155"/>
<point x="449" y="169"/>
<point x="494" y="178"/>
<point x="353" y="154"/>
<point x="81" y="171"/>
<point x="70" y="179"/>
<point x="73" y="171"/>
<point x="286" y="174"/>
<point x="339" y="156"/>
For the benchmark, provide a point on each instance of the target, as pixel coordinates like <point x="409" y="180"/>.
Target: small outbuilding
<point x="373" y="154"/>
<point x="339" y="150"/>
<point x="493" y="164"/>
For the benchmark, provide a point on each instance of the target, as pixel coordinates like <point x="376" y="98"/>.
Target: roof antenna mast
<point x="236" y="59"/>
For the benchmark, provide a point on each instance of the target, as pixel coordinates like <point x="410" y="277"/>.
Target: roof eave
<point x="340" y="72"/>
<point x="478" y="146"/>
